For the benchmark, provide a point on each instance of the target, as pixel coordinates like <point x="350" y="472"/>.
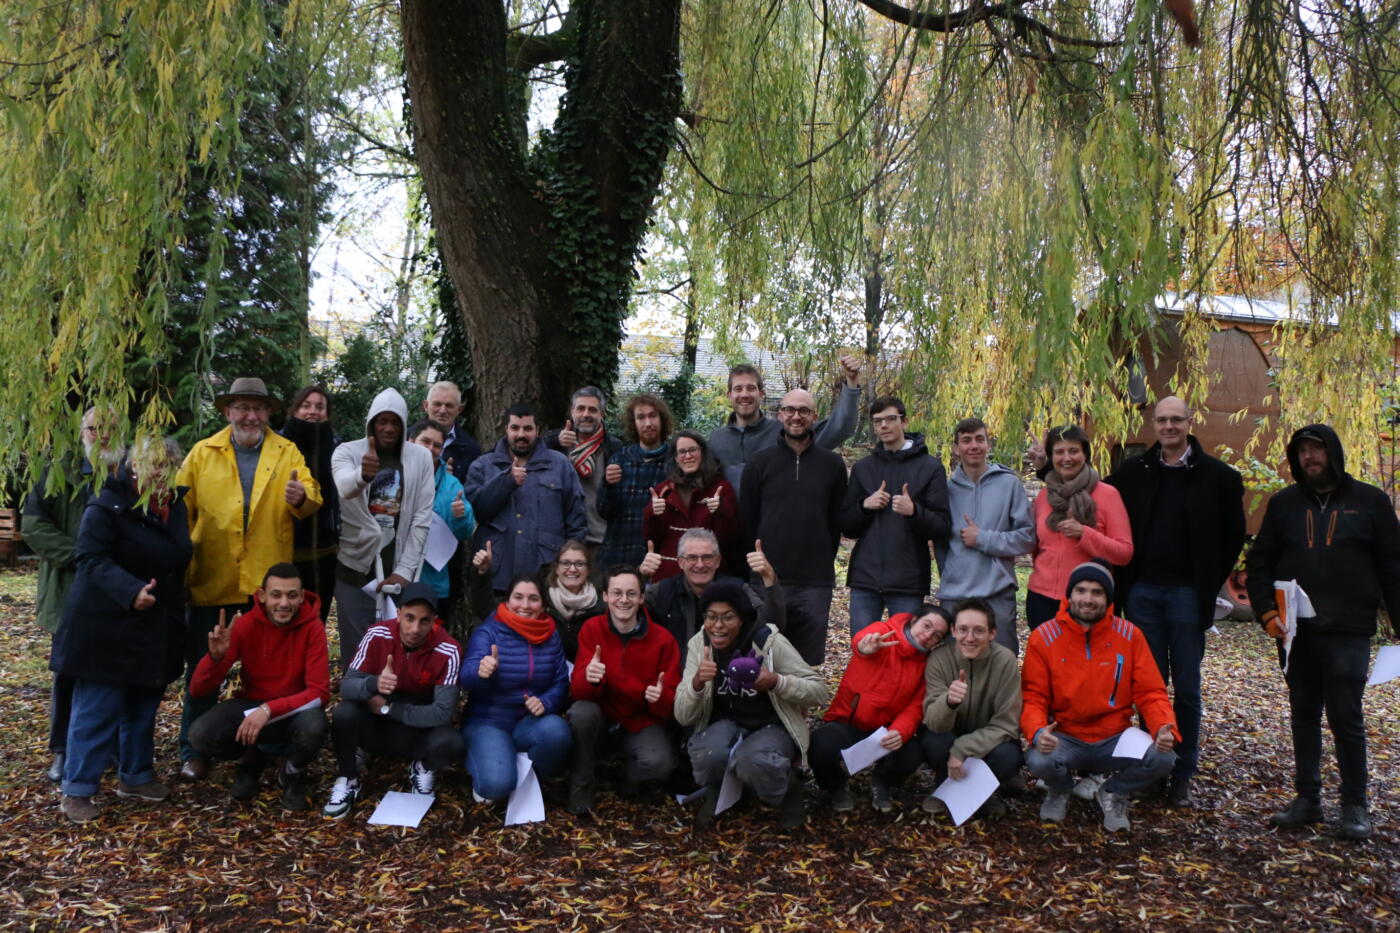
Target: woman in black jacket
<point x="122" y="634"/>
<point x="316" y="537"/>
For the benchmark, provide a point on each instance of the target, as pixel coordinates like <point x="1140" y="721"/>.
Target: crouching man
<point x="286" y="685"/>
<point x="397" y="700"/>
<point x="1086" y="671"/>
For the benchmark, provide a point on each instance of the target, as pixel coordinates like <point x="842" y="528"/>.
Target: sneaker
<point x="1056" y="805"/>
<point x="1088" y="786"/>
<point x="1179" y="794"/>
<point x="78" y="809"/>
<point x="792" y="812"/>
<point x="478" y="798"/>
<point x="293" y="790"/>
<point x="1299" y="813"/>
<point x="1356" y="822"/>
<point x="993" y="811"/>
<point x="841" y="800"/>
<point x="705" y="815"/>
<point x="1115" y="810"/>
<point x="154" y="791"/>
<point x="55" y="772"/>
<point x="420" y="778"/>
<point x="344" y="793"/>
<point x="934" y="806"/>
<point x="581" y="798"/>
<point x="881" y="797"/>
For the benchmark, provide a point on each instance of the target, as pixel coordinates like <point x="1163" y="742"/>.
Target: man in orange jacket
<point x="1086" y="671"/>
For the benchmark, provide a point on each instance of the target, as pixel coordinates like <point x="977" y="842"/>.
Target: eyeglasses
<point x="886" y="419"/>
<point x="244" y="409"/>
<point x="1170" y="419"/>
<point x="698" y="558"/>
<point x="788" y="411"/>
<point x="726" y="618"/>
<point x="572" y="564"/>
<point x="687" y="451"/>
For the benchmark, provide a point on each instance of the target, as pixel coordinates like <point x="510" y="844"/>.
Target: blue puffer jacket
<point x="462" y="528"/>
<point x="525" y="670"/>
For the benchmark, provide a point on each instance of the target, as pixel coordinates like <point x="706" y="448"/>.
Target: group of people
<point x="668" y="595"/>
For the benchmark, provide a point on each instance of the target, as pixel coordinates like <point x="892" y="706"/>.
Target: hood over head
<point x="1328" y="438"/>
<point x="388" y="400"/>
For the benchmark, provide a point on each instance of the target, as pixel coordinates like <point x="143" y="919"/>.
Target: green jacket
<point x="991" y="712"/>
<point x="50" y="528"/>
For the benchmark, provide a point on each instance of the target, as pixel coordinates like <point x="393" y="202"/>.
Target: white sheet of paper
<point x="866" y="752"/>
<point x="731" y="788"/>
<point x="400" y="809"/>
<point x="371" y="589"/>
<point x="526" y="803"/>
<point x="965" y="796"/>
<point x="390" y="611"/>
<point x="312" y="703"/>
<point x="1387" y="665"/>
<point x="1133" y="743"/>
<point x="1296" y="605"/>
<point x="442" y="543"/>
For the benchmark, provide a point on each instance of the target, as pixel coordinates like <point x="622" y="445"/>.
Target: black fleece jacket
<point x="792" y="503"/>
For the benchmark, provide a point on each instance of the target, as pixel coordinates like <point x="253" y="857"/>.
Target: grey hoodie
<point x="999" y="506"/>
<point x="359" y="532"/>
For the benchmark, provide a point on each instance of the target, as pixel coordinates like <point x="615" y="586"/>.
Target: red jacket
<point x="434" y="663"/>
<point x="1088" y="683"/>
<point x="284" y="666"/>
<point x="665" y="530"/>
<point x="633" y="664"/>
<point x="886" y="688"/>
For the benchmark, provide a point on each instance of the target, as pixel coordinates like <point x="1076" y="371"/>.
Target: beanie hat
<point x="1091" y="570"/>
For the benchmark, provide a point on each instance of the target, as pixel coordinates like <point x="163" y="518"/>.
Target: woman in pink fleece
<point x="1077" y="518"/>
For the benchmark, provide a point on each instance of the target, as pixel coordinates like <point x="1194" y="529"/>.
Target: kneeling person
<point x="625" y="676"/>
<point x="286" y="686"/>
<point x="1086" y="670"/>
<point x="397" y="699"/>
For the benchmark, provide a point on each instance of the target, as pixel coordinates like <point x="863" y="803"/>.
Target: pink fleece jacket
<point x="1111" y="540"/>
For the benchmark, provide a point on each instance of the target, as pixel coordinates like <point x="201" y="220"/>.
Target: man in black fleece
<point x="792" y="504"/>
<point x="1339" y="538"/>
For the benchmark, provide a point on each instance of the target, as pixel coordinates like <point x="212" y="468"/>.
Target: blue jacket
<point x="463" y="528"/>
<point x="525" y="670"/>
<point x="525" y="524"/>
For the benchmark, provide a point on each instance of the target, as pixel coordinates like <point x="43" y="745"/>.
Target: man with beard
<point x="590" y="448"/>
<point x="630" y="480"/>
<point x="792" y="511"/>
<point x="386" y="505"/>
<point x="285" y="687"/>
<point x="443" y="406"/>
<point x="1339" y="539"/>
<point x="1086" y="672"/>
<point x="527" y="500"/>
<point x="246" y="486"/>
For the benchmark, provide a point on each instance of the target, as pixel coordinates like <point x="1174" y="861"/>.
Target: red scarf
<point x="582" y="454"/>
<point x="535" y="631"/>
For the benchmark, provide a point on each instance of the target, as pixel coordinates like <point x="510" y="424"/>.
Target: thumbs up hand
<point x="459" y="506"/>
<point x="658" y="504"/>
<point x="712" y="503"/>
<point x="481" y="560"/>
<point x="613" y="473"/>
<point x="295" y="493"/>
<point x="903" y="504"/>
<point x="651" y="563"/>
<point x="968" y="532"/>
<point x="653" y="693"/>
<point x="489" y="663"/>
<point x="388" y="681"/>
<point x="957" y="690"/>
<point x="568" y="438"/>
<point x="145" y="599"/>
<point x="878" y="499"/>
<point x="706" y="672"/>
<point x="758" y="563"/>
<point x="596" y="669"/>
<point x="219" y="637"/>
<point x="1047" y="741"/>
<point x="369" y="463"/>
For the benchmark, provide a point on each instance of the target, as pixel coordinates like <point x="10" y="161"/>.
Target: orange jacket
<point x="886" y="688"/>
<point x="1088" y="683"/>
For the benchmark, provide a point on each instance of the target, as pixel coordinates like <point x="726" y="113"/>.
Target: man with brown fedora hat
<point x="246" y="484"/>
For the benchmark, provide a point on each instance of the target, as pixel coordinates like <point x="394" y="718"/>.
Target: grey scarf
<point x="1071" y="497"/>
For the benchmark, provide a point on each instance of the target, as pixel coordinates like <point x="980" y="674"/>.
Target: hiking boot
<point x="1356" y="822"/>
<point x="705" y="815"/>
<point x="420" y="779"/>
<point x="344" y="793"/>
<point x="1299" y="813"/>
<point x="934" y="806"/>
<point x="55" y="772"/>
<point x="1056" y="805"/>
<point x="293" y="790"/>
<point x="1088" y="786"/>
<point x="1152" y="791"/>
<point x="247" y="777"/>
<point x="792" y="812"/>
<point x="78" y="809"/>
<point x="881" y="797"/>
<point x="1179" y="794"/>
<point x="153" y="791"/>
<point x="1115" y="811"/>
<point x="581" y="798"/>
<point x="993" y="811"/>
<point x="194" y="770"/>
<point x="841" y="800"/>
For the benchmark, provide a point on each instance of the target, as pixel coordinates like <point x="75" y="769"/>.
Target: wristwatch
<point x="384" y="710"/>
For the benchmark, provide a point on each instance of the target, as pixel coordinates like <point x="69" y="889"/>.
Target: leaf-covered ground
<point x="203" y="862"/>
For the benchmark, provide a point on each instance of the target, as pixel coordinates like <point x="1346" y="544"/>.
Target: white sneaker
<point x="1088" y="786"/>
<point x="420" y="778"/>
<point x="1055" y="807"/>
<point x="1115" y="810"/>
<point x="344" y="793"/>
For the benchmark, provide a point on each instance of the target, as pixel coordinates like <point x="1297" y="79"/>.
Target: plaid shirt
<point x="623" y="504"/>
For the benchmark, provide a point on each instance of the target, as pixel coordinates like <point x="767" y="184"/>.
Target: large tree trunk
<point x="541" y="251"/>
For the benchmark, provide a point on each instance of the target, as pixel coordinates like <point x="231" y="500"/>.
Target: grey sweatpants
<point x="763" y="759"/>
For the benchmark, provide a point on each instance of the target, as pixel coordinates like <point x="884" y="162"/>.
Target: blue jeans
<point x="491" y="751"/>
<point x="110" y="720"/>
<point x="1070" y="755"/>
<point x="869" y="606"/>
<point x="1168" y="617"/>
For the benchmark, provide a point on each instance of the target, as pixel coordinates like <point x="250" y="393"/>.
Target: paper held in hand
<point x="866" y="752"/>
<point x="965" y="796"/>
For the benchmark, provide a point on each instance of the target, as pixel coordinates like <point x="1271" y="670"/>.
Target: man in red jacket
<point x="1085" y="672"/>
<point x="623" y="684"/>
<point x="286" y="684"/>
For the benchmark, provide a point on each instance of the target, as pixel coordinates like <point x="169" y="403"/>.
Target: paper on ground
<point x="400" y="809"/>
<point x="965" y="796"/>
<point x="525" y="804"/>
<point x="312" y="703"/>
<point x="1387" y="665"/>
<point x="442" y="543"/>
<point x="866" y="752"/>
<point x="1133" y="743"/>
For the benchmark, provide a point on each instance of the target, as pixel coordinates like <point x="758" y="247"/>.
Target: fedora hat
<point x="247" y="387"/>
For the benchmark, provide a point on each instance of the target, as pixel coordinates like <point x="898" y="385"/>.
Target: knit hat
<point x="1091" y="570"/>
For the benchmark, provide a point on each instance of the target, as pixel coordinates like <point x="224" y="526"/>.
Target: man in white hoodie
<point x="992" y="524"/>
<point x="386" y="505"/>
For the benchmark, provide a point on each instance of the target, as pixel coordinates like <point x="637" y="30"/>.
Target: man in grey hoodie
<point x="386" y="505"/>
<point x="992" y="524"/>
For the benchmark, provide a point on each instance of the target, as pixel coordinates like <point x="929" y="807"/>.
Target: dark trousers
<point x="808" y="614"/>
<point x="1004" y="760"/>
<point x="650" y="753"/>
<point x="200" y="621"/>
<point x="1039" y="609"/>
<point x="1328" y="672"/>
<point x="299" y="737"/>
<point x="1168" y="616"/>
<point x="354" y="727"/>
<point x="824" y="756"/>
<point x="318" y="576"/>
<point x="60" y="711"/>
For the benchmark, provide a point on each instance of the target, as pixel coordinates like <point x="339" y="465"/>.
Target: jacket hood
<point x="916" y="448"/>
<point x="1329" y="439"/>
<point x="387" y="400"/>
<point x="960" y="478"/>
<point x="906" y="647"/>
<point x="310" y="611"/>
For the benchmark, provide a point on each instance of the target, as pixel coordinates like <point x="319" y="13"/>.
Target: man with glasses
<point x="246" y="484"/>
<point x="792" y="513"/>
<point x="1187" y="514"/>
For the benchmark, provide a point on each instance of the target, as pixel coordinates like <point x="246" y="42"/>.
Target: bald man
<point x="792" y="503"/>
<point x="1187" y="514"/>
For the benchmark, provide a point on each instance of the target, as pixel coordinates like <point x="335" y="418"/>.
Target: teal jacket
<point x="448" y="487"/>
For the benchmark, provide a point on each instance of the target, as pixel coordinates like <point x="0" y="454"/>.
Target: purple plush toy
<point x="742" y="672"/>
